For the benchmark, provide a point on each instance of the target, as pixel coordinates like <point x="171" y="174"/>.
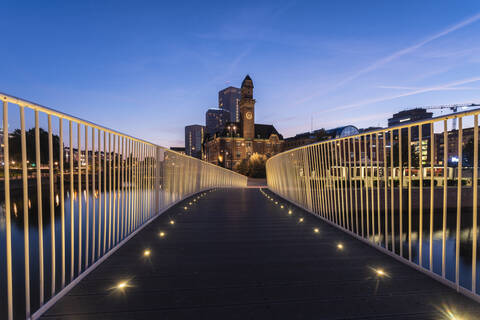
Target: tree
<point x="242" y="167"/>
<point x="15" y="146"/>
<point x="256" y="166"/>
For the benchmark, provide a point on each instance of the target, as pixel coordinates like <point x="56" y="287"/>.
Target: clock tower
<point x="247" y="112"/>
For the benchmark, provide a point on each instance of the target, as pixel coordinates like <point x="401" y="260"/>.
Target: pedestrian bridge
<point x="99" y="224"/>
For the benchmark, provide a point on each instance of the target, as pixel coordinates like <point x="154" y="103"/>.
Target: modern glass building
<point x="228" y="99"/>
<point x="216" y="120"/>
<point x="194" y="136"/>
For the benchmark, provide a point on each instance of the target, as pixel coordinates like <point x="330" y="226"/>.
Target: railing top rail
<point x="53" y="112"/>
<point x="50" y="111"/>
<point x="388" y="129"/>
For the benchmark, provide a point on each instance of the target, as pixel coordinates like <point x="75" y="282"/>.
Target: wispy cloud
<point x="419" y="88"/>
<point x="385" y="60"/>
<point x="447" y="86"/>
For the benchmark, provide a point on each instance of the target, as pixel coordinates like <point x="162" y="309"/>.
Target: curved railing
<point x="410" y="190"/>
<point x="96" y="186"/>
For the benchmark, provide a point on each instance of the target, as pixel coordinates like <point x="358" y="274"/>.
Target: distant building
<point x="341" y="132"/>
<point x="363" y="130"/>
<point x="216" y="120"/>
<point x="306" y="138"/>
<point x="229" y="99"/>
<point x="408" y="116"/>
<point x="194" y="136"/>
<point x="303" y="139"/>
<point x="412" y="115"/>
<point x="240" y="139"/>
<point x="178" y="149"/>
<point x="452" y="147"/>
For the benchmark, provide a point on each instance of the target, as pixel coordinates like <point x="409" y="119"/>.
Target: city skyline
<point x="108" y="59"/>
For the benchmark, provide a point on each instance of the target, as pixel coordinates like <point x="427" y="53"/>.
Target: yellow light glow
<point x="185" y="208"/>
<point x="190" y="203"/>
<point x="289" y="211"/>
<point x="380" y="272"/>
<point x="162" y="234"/>
<point x="172" y="222"/>
<point x="449" y="313"/>
<point x="276" y="202"/>
<point x="281" y="206"/>
<point x="122" y="285"/>
<point x="340" y="246"/>
<point x="316" y="230"/>
<point x="146" y="253"/>
<point x="300" y="220"/>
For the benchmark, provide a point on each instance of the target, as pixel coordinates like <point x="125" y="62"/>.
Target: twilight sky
<point x="148" y="68"/>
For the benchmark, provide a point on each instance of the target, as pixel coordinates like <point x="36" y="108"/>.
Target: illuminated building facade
<point x="240" y="139"/>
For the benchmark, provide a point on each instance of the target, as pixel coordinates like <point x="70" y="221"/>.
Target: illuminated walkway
<point x="233" y="254"/>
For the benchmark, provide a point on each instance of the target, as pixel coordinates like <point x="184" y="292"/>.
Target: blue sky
<point x="150" y="68"/>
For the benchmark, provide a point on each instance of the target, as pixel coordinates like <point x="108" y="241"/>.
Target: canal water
<point x="17" y="225"/>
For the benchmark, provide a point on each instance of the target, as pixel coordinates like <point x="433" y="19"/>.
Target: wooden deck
<point x="235" y="255"/>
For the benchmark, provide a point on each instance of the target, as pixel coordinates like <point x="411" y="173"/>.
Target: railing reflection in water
<point x="95" y="185"/>
<point x="411" y="190"/>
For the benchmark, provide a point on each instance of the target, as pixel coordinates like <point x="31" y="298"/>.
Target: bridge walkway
<point x="233" y="254"/>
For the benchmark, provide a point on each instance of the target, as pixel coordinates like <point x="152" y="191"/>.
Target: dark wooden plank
<point x="235" y="255"/>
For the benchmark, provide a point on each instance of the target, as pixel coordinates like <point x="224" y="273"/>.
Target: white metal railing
<point x="409" y="190"/>
<point x="102" y="187"/>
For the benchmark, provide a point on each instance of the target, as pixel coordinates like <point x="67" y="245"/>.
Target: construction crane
<point x="454" y="108"/>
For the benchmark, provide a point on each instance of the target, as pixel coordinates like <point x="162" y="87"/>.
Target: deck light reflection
<point x="185" y="208"/>
<point x="316" y="230"/>
<point x="340" y="246"/>
<point x="300" y="220"/>
<point x="146" y="253"/>
<point x="172" y="222"/>
<point x="281" y="206"/>
<point x="162" y="234"/>
<point x="289" y="211"/>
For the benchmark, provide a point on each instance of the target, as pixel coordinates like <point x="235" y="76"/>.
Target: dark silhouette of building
<point x="412" y="115"/>
<point x="216" y="120"/>
<point x="194" y="136"/>
<point x="303" y="139"/>
<point x="178" y="149"/>
<point x="229" y="99"/>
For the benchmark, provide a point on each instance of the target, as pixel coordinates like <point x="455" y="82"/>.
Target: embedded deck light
<point x="380" y="272"/>
<point x="300" y="220"/>
<point x="340" y="246"/>
<point x="172" y="222"/>
<point x="146" y="253"/>
<point x="122" y="285"/>
<point x="316" y="230"/>
<point x="162" y="234"/>
<point x="290" y="212"/>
